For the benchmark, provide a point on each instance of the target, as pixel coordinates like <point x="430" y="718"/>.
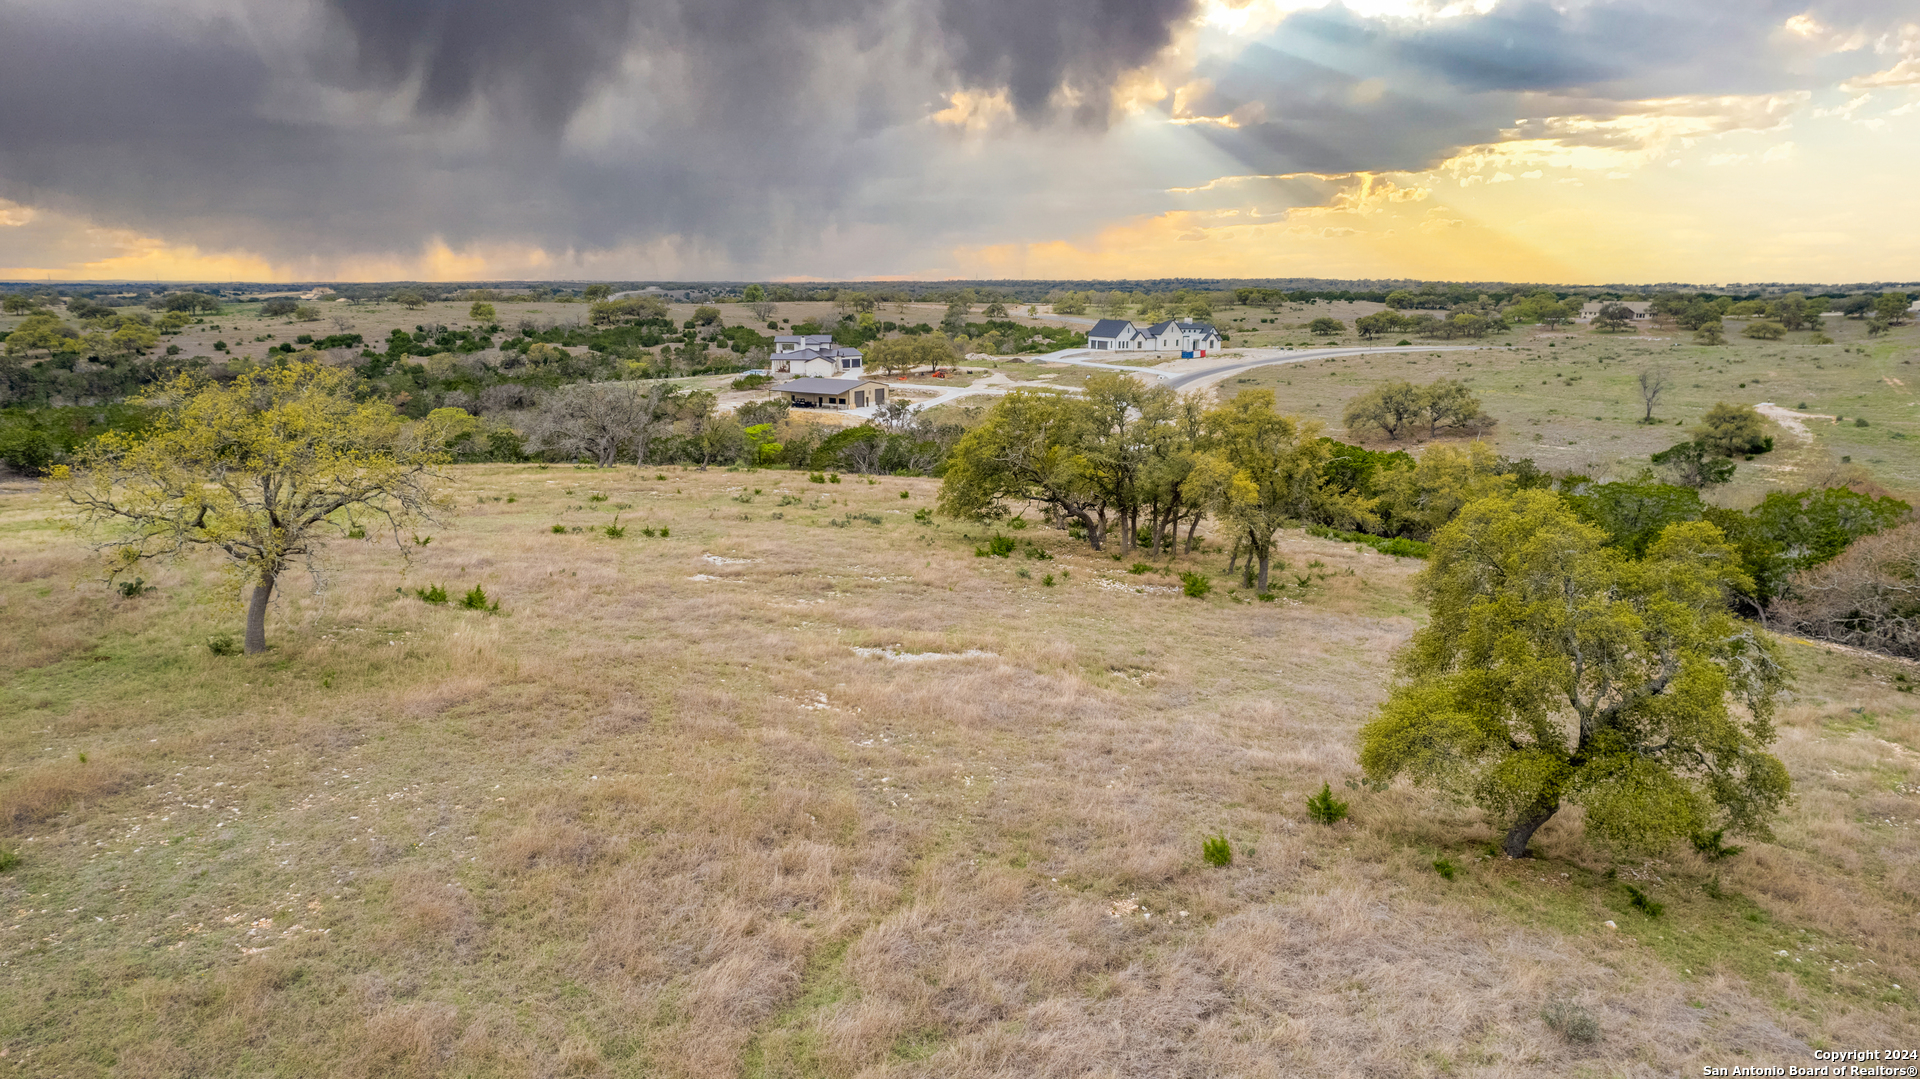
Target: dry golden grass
<point x="660" y="818"/>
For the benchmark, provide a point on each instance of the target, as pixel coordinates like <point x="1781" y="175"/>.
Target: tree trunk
<point x="1191" y="529"/>
<point x="1234" y="562"/>
<point x="1264" y="553"/>
<point x="257" y="615"/>
<point x="1515" y="844"/>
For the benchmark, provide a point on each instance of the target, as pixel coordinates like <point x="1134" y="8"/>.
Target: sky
<point x="1575" y="141"/>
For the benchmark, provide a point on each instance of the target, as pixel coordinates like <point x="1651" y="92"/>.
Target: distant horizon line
<point x="1298" y="283"/>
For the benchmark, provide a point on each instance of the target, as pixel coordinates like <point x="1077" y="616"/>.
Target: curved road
<point x="1202" y="372"/>
<point x="1194" y="374"/>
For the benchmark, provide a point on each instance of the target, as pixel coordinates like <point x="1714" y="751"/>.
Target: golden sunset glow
<point x="1249" y="138"/>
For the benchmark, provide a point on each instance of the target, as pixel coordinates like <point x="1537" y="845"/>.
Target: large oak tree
<point x="1556" y="669"/>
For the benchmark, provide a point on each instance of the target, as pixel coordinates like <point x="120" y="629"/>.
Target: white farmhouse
<point x="814" y="356"/>
<point x="1642" y="310"/>
<point x="1185" y="335"/>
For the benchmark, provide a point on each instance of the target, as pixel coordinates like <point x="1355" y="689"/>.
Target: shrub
<point x="1047" y="580"/>
<point x="1138" y="568"/>
<point x="663" y="532"/>
<point x="1645" y="903"/>
<point x="476" y="600"/>
<point x="1195" y="584"/>
<point x="833" y="477"/>
<point x="1571" y="1021"/>
<point x="998" y="547"/>
<point x="1324" y="808"/>
<point x="134" y="588"/>
<point x="1445" y="868"/>
<point x="924" y="517"/>
<point x="906" y="494"/>
<point x="223" y="644"/>
<point x="614" y="530"/>
<point x="596" y="498"/>
<point x="435" y="595"/>
<point x="8" y="859"/>
<point x="1217" y="851"/>
<point x="1710" y="846"/>
<point x="1860" y="421"/>
<point x="816" y="477"/>
<point x="563" y="528"/>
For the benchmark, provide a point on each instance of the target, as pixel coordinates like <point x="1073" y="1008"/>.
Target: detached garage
<point x="833" y="392"/>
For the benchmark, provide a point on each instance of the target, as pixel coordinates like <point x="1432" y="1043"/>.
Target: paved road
<point x="1201" y="372"/>
<point x="1193" y="374"/>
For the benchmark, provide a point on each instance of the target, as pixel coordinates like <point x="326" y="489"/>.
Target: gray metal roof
<point x="1109" y="327"/>
<point x="829" y="386"/>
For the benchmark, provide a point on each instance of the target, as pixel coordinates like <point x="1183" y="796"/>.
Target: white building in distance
<point x="814" y="355"/>
<point x="1183" y="335"/>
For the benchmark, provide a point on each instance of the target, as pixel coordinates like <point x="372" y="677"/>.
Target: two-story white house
<point x="1183" y="335"/>
<point x="814" y="356"/>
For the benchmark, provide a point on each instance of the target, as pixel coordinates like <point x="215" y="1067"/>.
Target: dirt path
<point x="1793" y="422"/>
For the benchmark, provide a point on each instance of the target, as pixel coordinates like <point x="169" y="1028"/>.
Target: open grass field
<point x="804" y="787"/>
<point x="1568" y="399"/>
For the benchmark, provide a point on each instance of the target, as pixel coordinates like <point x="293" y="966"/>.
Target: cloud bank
<point x="745" y="138"/>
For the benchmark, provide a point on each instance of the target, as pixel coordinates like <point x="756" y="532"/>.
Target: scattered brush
<point x="135" y="588"/>
<point x="560" y="529"/>
<point x="1571" y="1021"/>
<point x="1324" y="808"/>
<point x="1646" y="904"/>
<point x="1710" y="846"/>
<point x="435" y="594"/>
<point x="476" y="600"/>
<point x="1445" y="868"/>
<point x="223" y="644"/>
<point x="1217" y="851"/>
<point x="1194" y="584"/>
<point x="614" y="530"/>
<point x="997" y="547"/>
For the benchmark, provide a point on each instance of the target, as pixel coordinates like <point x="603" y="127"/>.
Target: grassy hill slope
<point x="661" y="816"/>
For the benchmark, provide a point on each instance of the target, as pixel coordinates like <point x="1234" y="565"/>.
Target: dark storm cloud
<point x="545" y="55"/>
<point x="737" y="126"/>
<point x="747" y="129"/>
<point x="1031" y="48"/>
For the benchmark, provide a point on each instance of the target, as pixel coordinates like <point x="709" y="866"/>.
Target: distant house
<point x="1114" y="333"/>
<point x="1641" y="309"/>
<point x="833" y="392"/>
<point x="683" y="295"/>
<point x="1185" y="335"/>
<point x="814" y="355"/>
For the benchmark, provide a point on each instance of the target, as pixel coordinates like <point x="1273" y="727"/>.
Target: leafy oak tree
<point x="1262" y="471"/>
<point x="1556" y="669"/>
<point x="263" y="470"/>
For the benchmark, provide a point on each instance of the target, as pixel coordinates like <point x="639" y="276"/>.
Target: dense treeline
<point x="1133" y="465"/>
